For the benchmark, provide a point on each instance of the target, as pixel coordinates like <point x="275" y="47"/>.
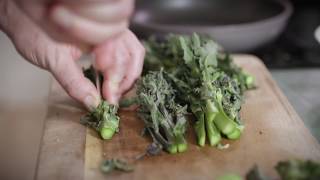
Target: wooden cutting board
<point x="273" y="132"/>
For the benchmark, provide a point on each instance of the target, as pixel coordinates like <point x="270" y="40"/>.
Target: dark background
<point x="296" y="46"/>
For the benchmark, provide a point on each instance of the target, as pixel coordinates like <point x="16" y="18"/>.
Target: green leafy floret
<point x="164" y="119"/>
<point x="103" y="119"/>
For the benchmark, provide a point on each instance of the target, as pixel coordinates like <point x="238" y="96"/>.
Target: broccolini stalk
<point x="103" y="118"/>
<point x="164" y="119"/>
<point x="110" y="165"/>
<point x="200" y="127"/>
<point x="213" y="133"/>
<point x="222" y="121"/>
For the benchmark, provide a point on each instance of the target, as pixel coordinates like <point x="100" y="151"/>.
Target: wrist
<point x="4" y="16"/>
<point x="3" y="13"/>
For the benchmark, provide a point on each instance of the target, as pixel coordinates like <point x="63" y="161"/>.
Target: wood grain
<point x="273" y="132"/>
<point x="63" y="143"/>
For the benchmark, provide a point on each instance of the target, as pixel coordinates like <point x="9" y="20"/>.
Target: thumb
<point x="71" y="78"/>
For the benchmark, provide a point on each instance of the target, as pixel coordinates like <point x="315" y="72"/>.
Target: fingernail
<point x="91" y="102"/>
<point x="61" y="16"/>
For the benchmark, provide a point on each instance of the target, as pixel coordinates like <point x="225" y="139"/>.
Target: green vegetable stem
<point x="164" y="119"/>
<point x="206" y="80"/>
<point x="103" y="119"/>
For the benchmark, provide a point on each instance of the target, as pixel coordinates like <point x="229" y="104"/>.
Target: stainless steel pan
<point x="238" y="25"/>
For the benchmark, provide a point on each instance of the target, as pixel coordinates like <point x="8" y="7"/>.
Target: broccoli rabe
<point x="206" y="80"/>
<point x="164" y="119"/>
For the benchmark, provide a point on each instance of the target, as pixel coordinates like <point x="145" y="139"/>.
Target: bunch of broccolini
<point x="206" y="80"/>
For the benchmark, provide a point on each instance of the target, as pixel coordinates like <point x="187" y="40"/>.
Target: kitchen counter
<point x="23" y="105"/>
<point x="302" y="87"/>
<point x="23" y="98"/>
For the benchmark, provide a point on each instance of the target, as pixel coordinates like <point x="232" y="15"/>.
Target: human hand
<point x="120" y="59"/>
<point x="82" y="22"/>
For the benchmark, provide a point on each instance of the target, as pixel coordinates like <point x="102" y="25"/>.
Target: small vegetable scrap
<point x="288" y="170"/>
<point x="255" y="174"/>
<point x="299" y="170"/>
<point x="230" y="177"/>
<point x="110" y="165"/>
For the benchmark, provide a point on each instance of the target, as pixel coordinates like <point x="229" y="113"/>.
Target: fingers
<point x="86" y="1"/>
<point x="85" y="30"/>
<point x="111" y="59"/>
<point x="111" y="83"/>
<point x="121" y="60"/>
<point x="135" y="63"/>
<point x="88" y="22"/>
<point x="105" y="12"/>
<point x="110" y="87"/>
<point x="71" y="78"/>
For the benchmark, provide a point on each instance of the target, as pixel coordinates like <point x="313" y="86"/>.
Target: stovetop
<point x="297" y="46"/>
